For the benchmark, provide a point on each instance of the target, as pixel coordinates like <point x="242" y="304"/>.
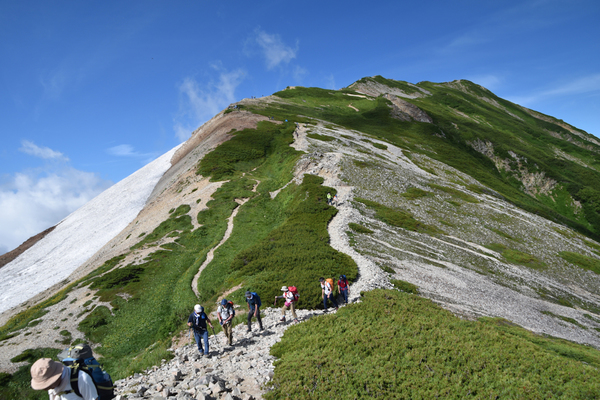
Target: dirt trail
<point x="211" y="253"/>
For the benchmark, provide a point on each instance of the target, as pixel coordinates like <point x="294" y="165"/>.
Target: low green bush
<point x="359" y="228"/>
<point x="516" y="256"/>
<point x="456" y="193"/>
<point x="413" y="193"/>
<point x="405" y="286"/>
<point x="394" y="345"/>
<point x="585" y="262"/>
<point x="398" y="218"/>
<point x="387" y="269"/>
<point x="323" y="138"/>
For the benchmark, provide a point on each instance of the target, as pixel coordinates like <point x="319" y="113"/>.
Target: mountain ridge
<point x="417" y="173"/>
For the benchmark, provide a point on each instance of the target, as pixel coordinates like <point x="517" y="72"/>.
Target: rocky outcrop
<point x="534" y="183"/>
<point x="375" y="89"/>
<point x="405" y="111"/>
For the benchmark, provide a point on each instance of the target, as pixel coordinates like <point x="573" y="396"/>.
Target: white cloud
<point x="41" y="152"/>
<point x="299" y="73"/>
<point x="489" y="82"/>
<point x="127" y="150"/>
<point x="586" y="84"/>
<point x="122" y="150"/>
<point x="330" y="82"/>
<point x="273" y="49"/>
<point x="466" y="40"/>
<point x="198" y="105"/>
<point x="33" y="201"/>
<point x="55" y="82"/>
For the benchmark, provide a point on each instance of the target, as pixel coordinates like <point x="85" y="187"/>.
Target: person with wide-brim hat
<point x="50" y="375"/>
<point x="290" y="302"/>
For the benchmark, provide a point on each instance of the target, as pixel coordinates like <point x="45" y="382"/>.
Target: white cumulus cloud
<point x="273" y="49"/>
<point x="34" y="200"/>
<point x="46" y="153"/>
<point x="199" y="104"/>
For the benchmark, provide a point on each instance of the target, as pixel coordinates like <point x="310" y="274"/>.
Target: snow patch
<point x="79" y="236"/>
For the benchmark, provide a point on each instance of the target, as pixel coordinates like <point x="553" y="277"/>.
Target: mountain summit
<point x="444" y="190"/>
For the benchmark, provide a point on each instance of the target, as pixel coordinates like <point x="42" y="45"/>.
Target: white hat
<point x="198" y="308"/>
<point x="284" y="288"/>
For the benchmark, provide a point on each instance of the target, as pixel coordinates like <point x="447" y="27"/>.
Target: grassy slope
<point x="397" y="345"/>
<point x="526" y="136"/>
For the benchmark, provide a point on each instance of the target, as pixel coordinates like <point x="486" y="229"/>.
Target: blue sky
<point x="91" y="91"/>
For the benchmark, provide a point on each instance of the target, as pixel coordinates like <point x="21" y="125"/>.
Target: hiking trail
<point x="211" y="252"/>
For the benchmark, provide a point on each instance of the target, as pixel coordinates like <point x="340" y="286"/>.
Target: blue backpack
<point x="80" y="358"/>
<point x="257" y="301"/>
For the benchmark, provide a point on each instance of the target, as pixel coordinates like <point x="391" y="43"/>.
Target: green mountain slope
<point x="481" y="205"/>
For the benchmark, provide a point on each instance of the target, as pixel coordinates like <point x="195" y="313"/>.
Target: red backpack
<point x="294" y="291"/>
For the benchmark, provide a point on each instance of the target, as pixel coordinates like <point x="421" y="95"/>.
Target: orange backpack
<point x="330" y="281"/>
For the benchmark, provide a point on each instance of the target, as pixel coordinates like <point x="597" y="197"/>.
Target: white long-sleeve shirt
<point x="85" y="384"/>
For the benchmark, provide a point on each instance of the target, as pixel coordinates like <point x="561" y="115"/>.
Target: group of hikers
<point x="332" y="200"/>
<point x="198" y="320"/>
<point x="79" y="376"/>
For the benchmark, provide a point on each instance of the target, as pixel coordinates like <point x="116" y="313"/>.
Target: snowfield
<point x="79" y="236"/>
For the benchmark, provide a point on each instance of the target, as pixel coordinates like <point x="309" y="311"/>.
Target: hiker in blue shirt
<point x="198" y="320"/>
<point x="254" y="304"/>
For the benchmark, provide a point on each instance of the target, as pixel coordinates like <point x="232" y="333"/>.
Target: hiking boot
<point x="282" y="319"/>
<point x="296" y="320"/>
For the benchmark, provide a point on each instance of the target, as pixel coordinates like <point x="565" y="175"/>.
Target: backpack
<point x="257" y="301"/>
<point x="294" y="291"/>
<point x="80" y="358"/>
<point x="228" y="307"/>
<point x="330" y="281"/>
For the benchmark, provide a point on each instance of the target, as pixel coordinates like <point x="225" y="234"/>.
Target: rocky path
<point x="230" y="373"/>
<point x="370" y="276"/>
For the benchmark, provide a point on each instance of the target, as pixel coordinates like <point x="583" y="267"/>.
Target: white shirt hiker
<point x="85" y="384"/>
<point x="326" y="287"/>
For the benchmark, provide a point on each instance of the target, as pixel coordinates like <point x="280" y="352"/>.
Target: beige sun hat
<point x="44" y="373"/>
<point x="284" y="288"/>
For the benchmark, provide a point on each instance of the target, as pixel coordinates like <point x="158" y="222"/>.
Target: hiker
<point x="335" y="200"/>
<point x="291" y="297"/>
<point x="254" y="304"/>
<point x="197" y="321"/>
<point x="328" y="198"/>
<point x="225" y="312"/>
<point x="342" y="285"/>
<point x="50" y="375"/>
<point x="327" y="292"/>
